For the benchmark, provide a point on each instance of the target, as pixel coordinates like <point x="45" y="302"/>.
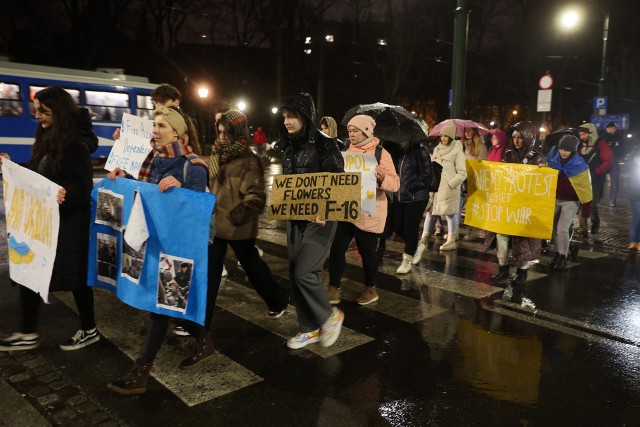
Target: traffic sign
<point x="544" y="100"/>
<point x="600" y="102"/>
<point x="621" y="120"/>
<point x="545" y="82"/>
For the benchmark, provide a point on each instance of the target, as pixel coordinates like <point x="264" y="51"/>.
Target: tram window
<point x="145" y="106"/>
<point x="75" y="94"/>
<point x="107" y="106"/>
<point x="10" y="99"/>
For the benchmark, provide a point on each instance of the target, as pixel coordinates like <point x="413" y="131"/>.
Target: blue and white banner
<point x="164" y="268"/>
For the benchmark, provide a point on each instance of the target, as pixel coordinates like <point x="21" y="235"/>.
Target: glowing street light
<point x="570" y="18"/>
<point x="274" y="110"/>
<point x="241" y="105"/>
<point x="203" y="92"/>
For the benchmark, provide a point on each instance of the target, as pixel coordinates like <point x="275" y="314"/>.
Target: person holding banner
<point x="172" y="163"/>
<point x="305" y="150"/>
<point x="526" y="250"/>
<point x="474" y="149"/>
<point x="368" y="228"/>
<point x="237" y="179"/>
<point x="572" y="191"/>
<point x="446" y="201"/>
<point x="63" y="141"/>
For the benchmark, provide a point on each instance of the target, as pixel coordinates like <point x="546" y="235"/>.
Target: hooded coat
<point x="446" y="201"/>
<point x="523" y="248"/>
<point x="311" y="152"/>
<point x="597" y="154"/>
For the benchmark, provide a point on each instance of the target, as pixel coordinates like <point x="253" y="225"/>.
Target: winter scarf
<point x="441" y="151"/>
<point x="363" y="143"/>
<point x="236" y="124"/>
<point x="172" y="150"/>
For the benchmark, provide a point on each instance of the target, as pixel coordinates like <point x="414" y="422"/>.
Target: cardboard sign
<point x="513" y="199"/>
<point x="330" y="196"/>
<point x="33" y="222"/>
<point x="164" y="268"/>
<point x="132" y="148"/>
<point x="365" y="163"/>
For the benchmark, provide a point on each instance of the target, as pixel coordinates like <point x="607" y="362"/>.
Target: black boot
<point x="204" y="353"/>
<point x="501" y="275"/>
<point x="135" y="381"/>
<point x="521" y="277"/>
<point x="560" y="263"/>
<point x="555" y="259"/>
<point x="574" y="248"/>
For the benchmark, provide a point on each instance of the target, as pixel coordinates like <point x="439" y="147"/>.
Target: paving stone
<point x="47" y="399"/>
<point x="5" y="361"/>
<point x="57" y="385"/>
<point x="12" y="369"/>
<point x="34" y="363"/>
<point x="77" y="422"/>
<point x="67" y="392"/>
<point x="47" y="378"/>
<point x="44" y="369"/>
<point x="38" y="391"/>
<point x="110" y="423"/>
<point x="76" y="400"/>
<point x="86" y="408"/>
<point x="63" y="417"/>
<point x="23" y="356"/>
<point x="55" y="407"/>
<point x="98" y="418"/>
<point x="22" y="376"/>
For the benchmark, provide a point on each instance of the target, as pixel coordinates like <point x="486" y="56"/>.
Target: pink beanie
<point x="364" y="123"/>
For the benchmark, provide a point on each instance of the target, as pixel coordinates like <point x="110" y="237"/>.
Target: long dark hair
<point x="52" y="141"/>
<point x="192" y="132"/>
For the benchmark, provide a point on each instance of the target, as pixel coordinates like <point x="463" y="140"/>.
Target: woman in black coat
<point x="64" y="139"/>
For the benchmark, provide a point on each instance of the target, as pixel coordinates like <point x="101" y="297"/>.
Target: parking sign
<point x="600" y="102"/>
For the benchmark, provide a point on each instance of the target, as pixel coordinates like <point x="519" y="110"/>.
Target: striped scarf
<point x="222" y="153"/>
<point x="170" y="151"/>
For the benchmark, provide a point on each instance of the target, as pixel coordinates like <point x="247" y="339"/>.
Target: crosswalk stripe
<point x="217" y="378"/>
<point x="246" y="303"/>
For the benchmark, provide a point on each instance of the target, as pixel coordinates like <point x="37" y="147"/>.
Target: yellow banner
<point x="513" y="199"/>
<point x="330" y="196"/>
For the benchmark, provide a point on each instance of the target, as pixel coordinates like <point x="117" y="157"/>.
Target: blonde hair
<point x="473" y="149"/>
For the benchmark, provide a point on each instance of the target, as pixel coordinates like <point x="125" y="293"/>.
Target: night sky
<point x="234" y="51"/>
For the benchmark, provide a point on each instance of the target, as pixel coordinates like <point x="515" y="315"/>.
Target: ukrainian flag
<point x="577" y="171"/>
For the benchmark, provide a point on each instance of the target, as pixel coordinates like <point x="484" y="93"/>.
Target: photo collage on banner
<point x="174" y="282"/>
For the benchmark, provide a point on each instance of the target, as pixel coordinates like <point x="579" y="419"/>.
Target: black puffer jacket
<point x="414" y="169"/>
<point x="312" y="151"/>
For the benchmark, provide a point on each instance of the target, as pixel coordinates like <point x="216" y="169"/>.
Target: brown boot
<point x="135" y="382"/>
<point x="204" y="353"/>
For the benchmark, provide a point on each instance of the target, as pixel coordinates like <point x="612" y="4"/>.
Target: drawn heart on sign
<point x="370" y="194"/>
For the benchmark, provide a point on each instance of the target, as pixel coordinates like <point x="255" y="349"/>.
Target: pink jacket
<point x="391" y="182"/>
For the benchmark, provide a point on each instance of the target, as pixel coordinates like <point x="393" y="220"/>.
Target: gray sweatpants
<point x="308" y="245"/>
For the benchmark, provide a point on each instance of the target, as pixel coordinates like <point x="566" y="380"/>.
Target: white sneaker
<point x="418" y="255"/>
<point x="224" y="271"/>
<point x="330" y="330"/>
<point x="81" y="339"/>
<point x="302" y="339"/>
<point x="260" y="251"/>
<point x="448" y="245"/>
<point x="405" y="267"/>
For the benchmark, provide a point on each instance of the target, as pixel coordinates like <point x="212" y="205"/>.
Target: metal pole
<point x="603" y="66"/>
<point x="459" y="69"/>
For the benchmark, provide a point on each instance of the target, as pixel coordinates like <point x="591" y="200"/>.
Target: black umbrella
<point x="393" y="122"/>
<point x="554" y="138"/>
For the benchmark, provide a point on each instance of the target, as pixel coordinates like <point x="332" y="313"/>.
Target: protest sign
<point x="33" y="222"/>
<point x="132" y="148"/>
<point x="365" y="163"/>
<point x="162" y="265"/>
<point x="513" y="199"/>
<point x="330" y="196"/>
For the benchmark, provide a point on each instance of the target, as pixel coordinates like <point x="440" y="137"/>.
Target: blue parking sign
<point x="600" y="102"/>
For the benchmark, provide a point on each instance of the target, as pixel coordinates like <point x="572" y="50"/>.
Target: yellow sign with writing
<point x="330" y="196"/>
<point x="513" y="199"/>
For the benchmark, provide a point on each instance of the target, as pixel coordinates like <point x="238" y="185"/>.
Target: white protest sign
<point x="132" y="148"/>
<point x="365" y="163"/>
<point x="33" y="221"/>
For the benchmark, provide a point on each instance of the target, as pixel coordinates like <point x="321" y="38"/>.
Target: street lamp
<point x="241" y="105"/>
<point x="569" y="20"/>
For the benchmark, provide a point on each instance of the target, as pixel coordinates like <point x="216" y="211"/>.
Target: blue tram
<point x="107" y="95"/>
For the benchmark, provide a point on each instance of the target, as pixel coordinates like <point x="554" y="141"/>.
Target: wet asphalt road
<point x="441" y="347"/>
